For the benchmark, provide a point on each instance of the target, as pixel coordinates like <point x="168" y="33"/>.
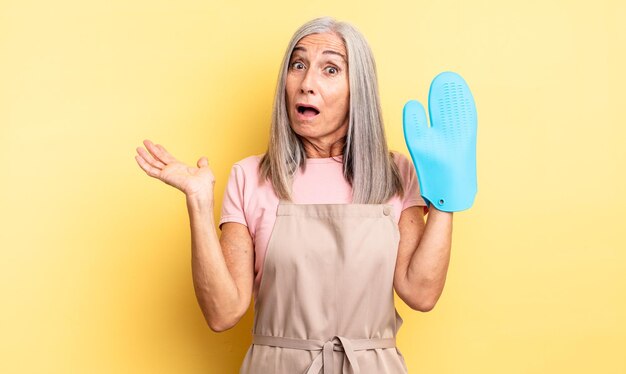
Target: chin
<point x="303" y="126"/>
<point x="304" y="131"/>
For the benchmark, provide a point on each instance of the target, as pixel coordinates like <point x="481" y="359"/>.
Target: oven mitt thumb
<point x="444" y="154"/>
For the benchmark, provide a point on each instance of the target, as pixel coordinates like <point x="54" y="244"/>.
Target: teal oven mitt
<point x="444" y="154"/>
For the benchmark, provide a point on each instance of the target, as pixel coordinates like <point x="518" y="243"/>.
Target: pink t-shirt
<point x="253" y="203"/>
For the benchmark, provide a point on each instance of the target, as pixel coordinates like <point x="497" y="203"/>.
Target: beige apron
<point x="325" y="302"/>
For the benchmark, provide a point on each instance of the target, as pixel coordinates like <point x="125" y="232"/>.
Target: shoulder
<point x="405" y="166"/>
<point x="245" y="173"/>
<point x="247" y="167"/>
<point x="398" y="157"/>
<point x="250" y="162"/>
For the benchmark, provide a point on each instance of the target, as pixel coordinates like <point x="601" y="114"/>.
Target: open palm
<point x="157" y="162"/>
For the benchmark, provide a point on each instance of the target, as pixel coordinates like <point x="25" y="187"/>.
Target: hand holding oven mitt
<point x="444" y="154"/>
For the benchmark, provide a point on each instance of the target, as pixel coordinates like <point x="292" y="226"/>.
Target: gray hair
<point x="367" y="163"/>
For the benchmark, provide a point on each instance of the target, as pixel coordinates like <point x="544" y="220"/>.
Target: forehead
<point x="324" y="41"/>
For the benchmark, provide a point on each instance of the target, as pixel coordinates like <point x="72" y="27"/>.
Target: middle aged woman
<point x="322" y="228"/>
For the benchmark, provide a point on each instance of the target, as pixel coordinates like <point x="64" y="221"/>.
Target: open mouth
<point x="307" y="110"/>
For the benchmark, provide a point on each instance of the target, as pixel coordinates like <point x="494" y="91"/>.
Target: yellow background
<point x="95" y="273"/>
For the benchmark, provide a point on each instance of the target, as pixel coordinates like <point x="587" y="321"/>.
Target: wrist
<point x="200" y="200"/>
<point x="432" y="210"/>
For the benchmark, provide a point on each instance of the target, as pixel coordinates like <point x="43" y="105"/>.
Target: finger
<point x="164" y="155"/>
<point x="149" y="169"/>
<point x="414" y="123"/>
<point x="451" y="102"/>
<point x="149" y="159"/>
<point x="152" y="148"/>
<point x="203" y="162"/>
<point x="159" y="152"/>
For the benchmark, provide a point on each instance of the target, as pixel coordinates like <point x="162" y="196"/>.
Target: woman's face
<point x="317" y="88"/>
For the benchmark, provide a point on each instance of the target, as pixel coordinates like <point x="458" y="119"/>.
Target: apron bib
<point x="325" y="302"/>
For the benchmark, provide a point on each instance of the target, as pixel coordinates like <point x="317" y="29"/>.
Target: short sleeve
<point x="412" y="195"/>
<point x="233" y="201"/>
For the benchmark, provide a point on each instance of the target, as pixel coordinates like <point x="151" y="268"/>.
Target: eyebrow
<point x="327" y="52"/>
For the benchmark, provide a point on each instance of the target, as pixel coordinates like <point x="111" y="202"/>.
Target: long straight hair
<point x="367" y="163"/>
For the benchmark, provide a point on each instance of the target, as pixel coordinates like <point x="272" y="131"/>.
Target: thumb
<point x="203" y="162"/>
<point x="415" y="126"/>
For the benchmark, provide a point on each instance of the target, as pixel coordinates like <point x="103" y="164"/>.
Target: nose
<point x="308" y="83"/>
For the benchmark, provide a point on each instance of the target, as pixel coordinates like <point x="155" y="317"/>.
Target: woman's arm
<point x="423" y="256"/>
<point x="223" y="271"/>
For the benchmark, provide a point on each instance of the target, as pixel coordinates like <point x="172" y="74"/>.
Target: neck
<point x="323" y="150"/>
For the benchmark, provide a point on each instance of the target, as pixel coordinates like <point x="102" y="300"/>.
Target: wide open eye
<point x="297" y="65"/>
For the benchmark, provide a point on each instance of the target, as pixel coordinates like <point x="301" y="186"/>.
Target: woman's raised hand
<point x="159" y="163"/>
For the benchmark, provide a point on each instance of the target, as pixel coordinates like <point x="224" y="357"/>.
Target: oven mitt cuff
<point x="444" y="154"/>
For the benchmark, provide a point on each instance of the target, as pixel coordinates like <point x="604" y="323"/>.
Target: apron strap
<point x="325" y="359"/>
